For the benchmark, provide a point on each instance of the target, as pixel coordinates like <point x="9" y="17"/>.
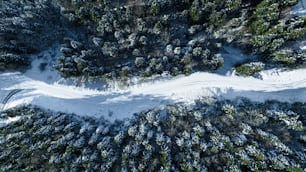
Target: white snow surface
<point x="42" y="66"/>
<point x="115" y="103"/>
<point x="4" y="122"/>
<point x="299" y="9"/>
<point x="232" y="56"/>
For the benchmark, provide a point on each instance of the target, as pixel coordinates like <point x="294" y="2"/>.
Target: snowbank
<point x="41" y="66"/>
<point x="4" y="122"/>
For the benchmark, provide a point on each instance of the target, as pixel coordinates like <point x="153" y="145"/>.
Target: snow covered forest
<point x="153" y="85"/>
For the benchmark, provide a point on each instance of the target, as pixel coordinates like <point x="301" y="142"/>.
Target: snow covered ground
<point x="232" y="56"/>
<point x="300" y="8"/>
<point x="9" y="120"/>
<point x="42" y="66"/>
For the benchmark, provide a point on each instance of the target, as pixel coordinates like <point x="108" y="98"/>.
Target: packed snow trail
<point x="113" y="104"/>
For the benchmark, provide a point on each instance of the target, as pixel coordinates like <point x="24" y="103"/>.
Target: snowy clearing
<point x="232" y="56"/>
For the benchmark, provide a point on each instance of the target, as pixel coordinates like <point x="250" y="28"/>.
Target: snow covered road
<point x="122" y="103"/>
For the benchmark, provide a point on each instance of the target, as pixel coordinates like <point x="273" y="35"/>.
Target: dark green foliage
<point x="129" y="29"/>
<point x="27" y="27"/>
<point x="249" y="69"/>
<point x="12" y="61"/>
<point x="263" y="26"/>
<point x="211" y="135"/>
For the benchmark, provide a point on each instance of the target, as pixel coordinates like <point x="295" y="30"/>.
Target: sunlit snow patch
<point x="9" y="120"/>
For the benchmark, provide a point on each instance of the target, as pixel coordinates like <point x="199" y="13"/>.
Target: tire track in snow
<point x="11" y="94"/>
